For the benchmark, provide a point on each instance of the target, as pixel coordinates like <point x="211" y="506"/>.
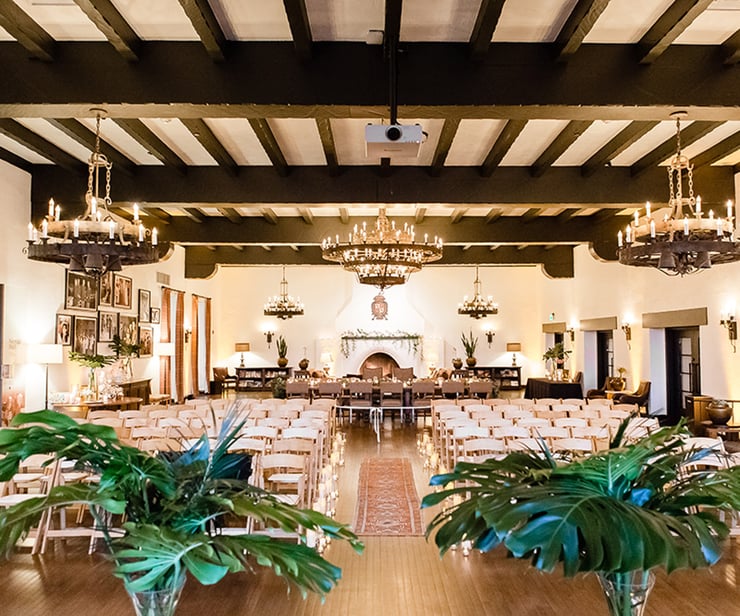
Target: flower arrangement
<point x="349" y="339"/>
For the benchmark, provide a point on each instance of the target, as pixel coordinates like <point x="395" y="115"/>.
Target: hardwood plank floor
<point x="395" y="576"/>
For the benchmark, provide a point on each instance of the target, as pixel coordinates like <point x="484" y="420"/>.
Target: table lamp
<point x="514" y="348"/>
<point x="45" y="354"/>
<point x="241" y="347"/>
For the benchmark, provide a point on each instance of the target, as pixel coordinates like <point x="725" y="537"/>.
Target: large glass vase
<point x="158" y="602"/>
<point x="627" y="593"/>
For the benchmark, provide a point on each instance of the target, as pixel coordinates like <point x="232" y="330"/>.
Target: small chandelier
<point x="477" y="307"/>
<point x="98" y="241"/>
<point x="382" y="256"/>
<point x="283" y="306"/>
<point x="679" y="239"/>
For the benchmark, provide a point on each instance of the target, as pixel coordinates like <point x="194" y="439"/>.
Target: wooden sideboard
<point x="137" y="389"/>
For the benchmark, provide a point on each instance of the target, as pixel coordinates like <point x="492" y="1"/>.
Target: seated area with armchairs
<point x="611" y="383"/>
<point x="640" y="397"/>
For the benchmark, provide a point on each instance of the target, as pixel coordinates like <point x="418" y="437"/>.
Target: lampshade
<point x="513" y="347"/>
<point x="166" y="349"/>
<point x="241" y="347"/>
<point x="45" y="354"/>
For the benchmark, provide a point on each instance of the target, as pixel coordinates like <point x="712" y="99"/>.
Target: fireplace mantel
<point x="349" y="340"/>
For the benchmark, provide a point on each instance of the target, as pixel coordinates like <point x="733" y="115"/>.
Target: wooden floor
<point x="395" y="576"/>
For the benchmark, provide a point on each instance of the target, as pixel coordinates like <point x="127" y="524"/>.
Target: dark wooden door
<point x="604" y="356"/>
<point x="683" y="370"/>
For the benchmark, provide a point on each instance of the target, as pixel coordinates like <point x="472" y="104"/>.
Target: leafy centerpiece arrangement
<point x="620" y="512"/>
<point x="470" y="343"/>
<point x="126" y="351"/>
<point x="282" y="348"/>
<point x="93" y="362"/>
<point x="556" y="356"/>
<point x="172" y="505"/>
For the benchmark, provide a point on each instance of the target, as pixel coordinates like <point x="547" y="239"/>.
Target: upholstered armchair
<point x="640" y="396"/>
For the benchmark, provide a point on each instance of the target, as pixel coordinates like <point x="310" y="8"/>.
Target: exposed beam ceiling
<point x="580" y="22"/>
<point x="26" y="31"/>
<point x="116" y="29"/>
<point x="204" y="21"/>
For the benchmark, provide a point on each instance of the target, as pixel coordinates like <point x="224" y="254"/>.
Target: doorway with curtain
<point x="683" y="370"/>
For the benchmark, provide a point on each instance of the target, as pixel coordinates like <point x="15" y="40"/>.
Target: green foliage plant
<point x="171" y="503"/>
<point x="628" y="509"/>
<point x="556" y="352"/>
<point x="282" y="346"/>
<point x="123" y="348"/>
<point x="469" y="343"/>
<point x="91" y="360"/>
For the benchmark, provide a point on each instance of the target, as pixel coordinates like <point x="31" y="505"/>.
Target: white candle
<point x="154" y="236"/>
<point x="35" y="234"/>
<point x="729" y="209"/>
<point x="51" y="208"/>
<point x="141" y="232"/>
<point x="619" y="238"/>
<point x="136" y="212"/>
<point x="629" y="234"/>
<point x="30" y="232"/>
<point x="76" y="230"/>
<point x="686" y="226"/>
<point x="711" y="214"/>
<point x="698" y="205"/>
<point x="57" y="212"/>
<point x="652" y="229"/>
<point x="93" y="206"/>
<point x="111" y="229"/>
<point x="637" y="217"/>
<point x="44" y="228"/>
<point x="719" y="227"/>
<point x="647" y="209"/>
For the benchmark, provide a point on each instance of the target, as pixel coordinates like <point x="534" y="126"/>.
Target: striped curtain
<point x="207" y="339"/>
<point x="179" y="345"/>
<point x="164" y="336"/>
<point x="194" y="340"/>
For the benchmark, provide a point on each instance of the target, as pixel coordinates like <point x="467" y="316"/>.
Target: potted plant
<point x="303" y="364"/>
<point x="619" y="513"/>
<point x="92" y="361"/>
<point x="282" y="348"/>
<point x="469" y="344"/>
<point x="556" y="355"/>
<point x="456" y="361"/>
<point x="172" y="503"/>
<point x="126" y="351"/>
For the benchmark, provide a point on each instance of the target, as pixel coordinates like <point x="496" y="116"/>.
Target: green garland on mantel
<point x="349" y="340"/>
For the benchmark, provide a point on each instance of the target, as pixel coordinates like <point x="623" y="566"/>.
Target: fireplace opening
<point x="382" y="361"/>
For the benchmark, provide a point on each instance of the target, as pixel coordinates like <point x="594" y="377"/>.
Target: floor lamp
<point x="46" y="354"/>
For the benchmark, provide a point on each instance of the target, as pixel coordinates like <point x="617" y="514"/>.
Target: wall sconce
<point x="731" y="324"/>
<point x="188" y="333"/>
<point x="269" y="334"/>
<point x="572" y="333"/>
<point x="627" y="334"/>
<point x="489" y="336"/>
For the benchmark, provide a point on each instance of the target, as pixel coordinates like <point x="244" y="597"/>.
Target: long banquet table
<point x="545" y="388"/>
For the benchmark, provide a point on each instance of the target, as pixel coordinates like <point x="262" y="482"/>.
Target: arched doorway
<point x="379" y="360"/>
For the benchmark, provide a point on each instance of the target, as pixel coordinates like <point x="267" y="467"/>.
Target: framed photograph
<point x="145" y="305"/>
<point x="127" y="328"/>
<point x="122" y="292"/>
<point x="146" y="338"/>
<point x="106" y="289"/>
<point x="85" y="340"/>
<point x="107" y="326"/>
<point x="154" y="316"/>
<point x="63" y="330"/>
<point x="81" y="292"/>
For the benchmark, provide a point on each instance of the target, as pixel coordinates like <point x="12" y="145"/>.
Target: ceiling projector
<point x="393" y="141"/>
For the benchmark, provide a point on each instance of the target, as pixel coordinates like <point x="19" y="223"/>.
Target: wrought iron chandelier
<point x="98" y="241"/>
<point x="477" y="307"/>
<point x="382" y="256"/>
<point x="283" y="306"/>
<point x="679" y="239"/>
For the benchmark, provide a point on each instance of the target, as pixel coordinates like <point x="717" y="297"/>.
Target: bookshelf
<point x="259" y="379"/>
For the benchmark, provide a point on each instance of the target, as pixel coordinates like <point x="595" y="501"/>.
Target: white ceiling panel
<point x="532" y="21"/>
<point x="63" y="21"/>
<point x="237" y="136"/>
<point x="57" y="137"/>
<point x="20" y="150"/>
<point x="344" y="20"/>
<point x="715" y="25"/>
<point x="626" y="21"/>
<point x="732" y="159"/>
<point x="532" y="141"/>
<point x="349" y="139"/>
<point x="432" y="129"/>
<point x="650" y="141"/>
<point x="590" y="142"/>
<point x="157" y="20"/>
<point x="4" y="36"/>
<point x="180" y="140"/>
<point x="122" y="141"/>
<point x="438" y="20"/>
<point x="255" y="20"/>
<point x="299" y="140"/>
<point x="718" y="134"/>
<point x="473" y="141"/>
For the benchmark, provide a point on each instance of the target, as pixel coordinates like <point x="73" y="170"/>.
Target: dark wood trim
<point x="15" y="160"/>
<point x="327" y="143"/>
<point x="493" y="215"/>
<point x="344" y="215"/>
<point x="731" y="49"/>
<point x="111" y="23"/>
<point x="300" y="27"/>
<point x="261" y="128"/>
<point x="19" y="133"/>
<point x="718" y="151"/>
<point x="205" y="136"/>
<point x="568" y="213"/>
<point x="676" y="18"/>
<point x="158" y="213"/>
<point x="501" y="146"/>
<point x="457" y="215"/>
<point x="530" y="214"/>
<point x="579" y="23"/>
<point x="485" y="25"/>
<point x="449" y="130"/>
<point x="204" y="21"/>
<point x="194" y="214"/>
<point x="419" y="215"/>
<point x="154" y="145"/>
<point x="306" y="214"/>
<point x="269" y="215"/>
<point x="231" y="215"/>
<point x="26" y="31"/>
<point x="560" y="144"/>
<point x="616" y="145"/>
<point x="392" y="22"/>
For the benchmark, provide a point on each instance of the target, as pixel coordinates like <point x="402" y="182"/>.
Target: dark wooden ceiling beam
<point x="567" y="214"/>
<point x="560" y="144"/>
<point x="344" y="215"/>
<point x="176" y="80"/>
<point x="269" y="215"/>
<point x="84" y="136"/>
<point x="26" y="31"/>
<point x="154" y="145"/>
<point x="300" y="27"/>
<point x="205" y="136"/>
<point x="613" y="186"/>
<point x="201" y="15"/>
<point x="306" y="214"/>
<point x="194" y="214"/>
<point x="501" y="146"/>
<point x="530" y="214"/>
<point x="693" y="132"/>
<point x="19" y="133"/>
<point x="731" y="49"/>
<point x="111" y="23"/>
<point x="616" y="145"/>
<point x="158" y="213"/>
<point x="457" y="214"/>
<point x="15" y="160"/>
<point x="717" y="152"/>
<point x="264" y="133"/>
<point x="676" y="18"/>
<point x="419" y="215"/>
<point x="493" y="215"/>
<point x="231" y="215"/>
<point x="328" y="145"/>
<point x="579" y="23"/>
<point x="485" y="25"/>
<point x="392" y="22"/>
<point x="449" y="130"/>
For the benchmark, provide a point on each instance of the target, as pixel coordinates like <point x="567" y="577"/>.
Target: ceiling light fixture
<point x="283" y="306"/>
<point x="98" y="241"/>
<point x="382" y="256"/>
<point x="679" y="239"/>
<point x="477" y="307"/>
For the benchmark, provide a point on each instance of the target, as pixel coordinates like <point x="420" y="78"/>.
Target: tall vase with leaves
<point x="126" y="351"/>
<point x="620" y="513"/>
<point x="171" y="503"/>
<point x="470" y="343"/>
<point x="282" y="348"/>
<point x="93" y="362"/>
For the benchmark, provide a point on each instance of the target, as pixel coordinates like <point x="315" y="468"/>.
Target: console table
<point x="545" y="388"/>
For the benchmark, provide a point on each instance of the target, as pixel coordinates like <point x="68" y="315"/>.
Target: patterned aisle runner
<point x="387" y="502"/>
